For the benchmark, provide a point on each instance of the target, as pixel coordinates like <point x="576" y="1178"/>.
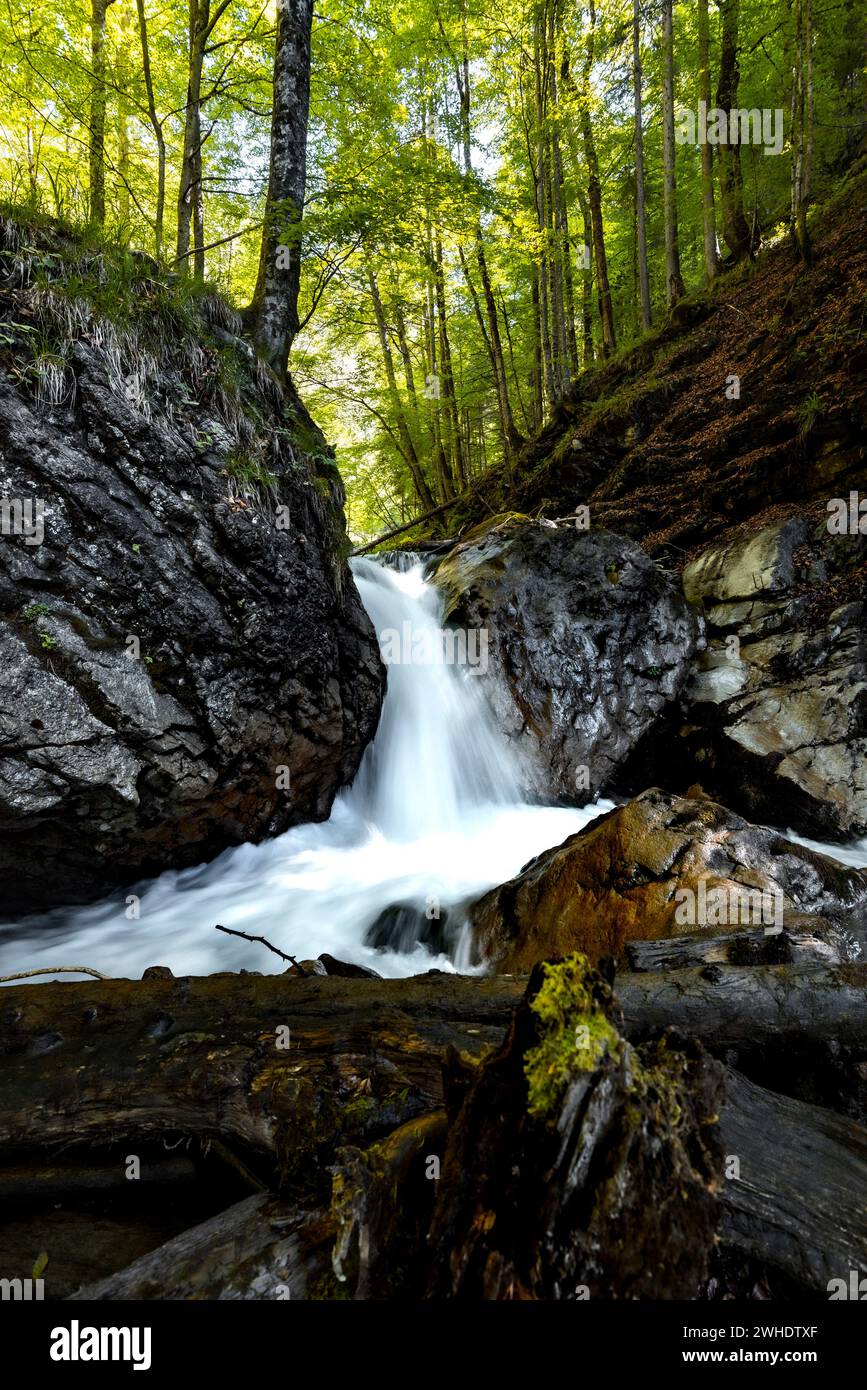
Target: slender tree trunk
<point x="566" y="337"/>
<point x="711" y="255"/>
<point x="512" y="439"/>
<point x="802" y="131"/>
<point x="276" y="299"/>
<point x="541" y="184"/>
<point x="447" y="384"/>
<point x="594" y="198"/>
<point x="156" y="126"/>
<point x="477" y="310"/>
<point x="735" y="229"/>
<point x="123" y="153"/>
<point x="407" y="445"/>
<point x="191" y="160"/>
<point x="445" y="480"/>
<point x="98" y="102"/>
<point x="673" y="276"/>
<point x="405" y="354"/>
<point x="508" y="332"/>
<point x="640" y="214"/>
<point x="536" y="374"/>
<point x="588" y="352"/>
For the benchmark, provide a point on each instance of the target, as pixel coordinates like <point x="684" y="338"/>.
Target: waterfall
<point x="432" y="820"/>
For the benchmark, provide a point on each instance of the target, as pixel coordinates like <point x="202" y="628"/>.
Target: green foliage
<point x="390" y="201"/>
<point x="244" y="468"/>
<point x="808" y="412"/>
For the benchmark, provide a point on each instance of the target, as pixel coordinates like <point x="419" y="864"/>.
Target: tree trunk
<point x="156" y="126"/>
<point x="541" y="187"/>
<point x="790" y="1206"/>
<point x="588" y="350"/>
<point x="276" y="299"/>
<point x="512" y="440"/>
<point x="567" y="340"/>
<point x="477" y="310"/>
<point x="98" y="101"/>
<point x="711" y="255"/>
<point x="640" y="214"/>
<point x="673" y="276"/>
<point x="594" y="198"/>
<point x="802" y="126"/>
<point x="536" y="374"/>
<point x="189" y="190"/>
<point x="735" y="229"/>
<point x="738" y="1006"/>
<point x="407" y="446"/>
<point x="447" y="382"/>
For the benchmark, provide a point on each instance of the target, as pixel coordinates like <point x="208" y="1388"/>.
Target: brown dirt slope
<point x="660" y="444"/>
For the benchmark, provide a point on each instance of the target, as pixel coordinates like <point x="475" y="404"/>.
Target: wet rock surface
<point x="660" y="866"/>
<point x="185" y="663"/>
<point x="773" y="721"/>
<point x="587" y="643"/>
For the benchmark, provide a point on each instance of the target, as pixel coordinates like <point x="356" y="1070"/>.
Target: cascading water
<point x="433" y="819"/>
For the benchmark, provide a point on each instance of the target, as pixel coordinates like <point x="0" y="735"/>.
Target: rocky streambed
<point x="652" y="1081"/>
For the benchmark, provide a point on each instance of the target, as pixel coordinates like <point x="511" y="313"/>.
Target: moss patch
<point x="575" y="1033"/>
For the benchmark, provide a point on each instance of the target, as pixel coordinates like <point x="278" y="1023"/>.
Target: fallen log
<point x="259" y="1248"/>
<point x="281" y="1075"/>
<point x="812" y="944"/>
<point x="285" y="1067"/>
<point x="735" y="1005"/>
<point x="281" y="1069"/>
<point x="797" y="1202"/>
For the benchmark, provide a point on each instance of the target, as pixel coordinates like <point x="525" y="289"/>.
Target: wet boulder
<point x="659" y="867"/>
<point x="185" y="663"/>
<point x="774" y="718"/>
<point x="585" y="643"/>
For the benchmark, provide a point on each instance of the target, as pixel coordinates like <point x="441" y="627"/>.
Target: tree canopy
<point x="496" y="193"/>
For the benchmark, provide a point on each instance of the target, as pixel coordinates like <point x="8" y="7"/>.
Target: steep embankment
<point x="184" y="660"/>
<point x="750" y="402"/>
<point x="718" y="443"/>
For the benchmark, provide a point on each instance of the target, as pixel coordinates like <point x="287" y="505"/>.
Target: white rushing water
<point x="432" y="820"/>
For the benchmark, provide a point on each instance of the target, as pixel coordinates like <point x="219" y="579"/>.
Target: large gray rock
<point x="587" y="643"/>
<point x="776" y="713"/>
<point x="175" y="640"/>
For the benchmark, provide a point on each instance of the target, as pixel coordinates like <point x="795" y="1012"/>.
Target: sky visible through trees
<point x="496" y="194"/>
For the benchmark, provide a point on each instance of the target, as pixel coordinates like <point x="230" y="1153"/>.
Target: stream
<point x="432" y="820"/>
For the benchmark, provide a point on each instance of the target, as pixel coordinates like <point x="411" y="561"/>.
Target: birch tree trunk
<point x="276" y="299"/>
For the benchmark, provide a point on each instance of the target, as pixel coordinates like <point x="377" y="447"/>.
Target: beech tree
<point x="276" y="297"/>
